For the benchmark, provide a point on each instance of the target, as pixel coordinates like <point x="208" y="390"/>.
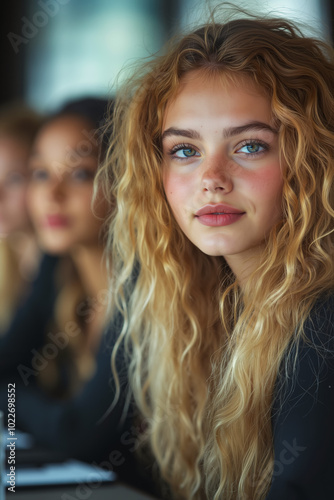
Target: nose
<point x="216" y="177"/>
<point x="57" y="189"/>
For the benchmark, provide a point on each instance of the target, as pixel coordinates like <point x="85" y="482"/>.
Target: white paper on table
<point x="70" y="472"/>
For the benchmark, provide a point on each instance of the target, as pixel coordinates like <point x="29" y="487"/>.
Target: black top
<point x="302" y="415"/>
<point x="27" y="329"/>
<point x="24" y="352"/>
<point x="82" y="427"/>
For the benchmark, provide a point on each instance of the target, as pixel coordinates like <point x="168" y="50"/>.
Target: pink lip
<point x="56" y="221"/>
<point x="219" y="208"/>
<point x="218" y="215"/>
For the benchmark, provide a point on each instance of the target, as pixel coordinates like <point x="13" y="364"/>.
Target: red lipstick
<point x="218" y="215"/>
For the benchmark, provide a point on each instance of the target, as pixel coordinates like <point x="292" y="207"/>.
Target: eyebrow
<point x="228" y="132"/>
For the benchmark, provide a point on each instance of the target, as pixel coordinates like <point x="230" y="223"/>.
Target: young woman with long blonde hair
<point x="223" y="170"/>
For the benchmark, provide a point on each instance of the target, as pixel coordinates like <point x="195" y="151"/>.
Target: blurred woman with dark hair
<point x="62" y="375"/>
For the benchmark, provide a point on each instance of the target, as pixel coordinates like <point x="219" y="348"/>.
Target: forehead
<point x="13" y="152"/>
<point x="64" y="132"/>
<point x="217" y="94"/>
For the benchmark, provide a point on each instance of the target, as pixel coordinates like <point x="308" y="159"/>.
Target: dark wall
<point x="12" y="50"/>
<point x="17" y="29"/>
<point x="331" y="10"/>
<point x="14" y="41"/>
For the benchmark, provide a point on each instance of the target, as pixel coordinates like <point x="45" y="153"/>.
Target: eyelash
<point x="247" y="142"/>
<point x="179" y="147"/>
<point x="253" y="142"/>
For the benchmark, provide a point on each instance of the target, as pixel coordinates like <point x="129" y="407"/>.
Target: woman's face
<point x="63" y="166"/>
<point x="13" y="185"/>
<point x="222" y="174"/>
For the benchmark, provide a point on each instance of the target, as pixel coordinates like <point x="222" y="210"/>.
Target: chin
<point x="214" y="250"/>
<point x="54" y="248"/>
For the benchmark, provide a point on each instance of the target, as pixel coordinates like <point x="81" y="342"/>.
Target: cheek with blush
<point x="267" y="183"/>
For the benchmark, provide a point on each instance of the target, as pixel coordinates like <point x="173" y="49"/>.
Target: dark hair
<point x="93" y="109"/>
<point x="19" y="121"/>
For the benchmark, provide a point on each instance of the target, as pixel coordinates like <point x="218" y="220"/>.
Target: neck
<point x="243" y="265"/>
<point x="91" y="268"/>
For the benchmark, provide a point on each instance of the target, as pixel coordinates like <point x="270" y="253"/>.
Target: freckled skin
<point x="221" y="168"/>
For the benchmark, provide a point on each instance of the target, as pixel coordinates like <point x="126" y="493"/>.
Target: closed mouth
<point x="217" y="210"/>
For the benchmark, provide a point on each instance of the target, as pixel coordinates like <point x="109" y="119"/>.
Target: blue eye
<point x="183" y="151"/>
<point x="252" y="147"/>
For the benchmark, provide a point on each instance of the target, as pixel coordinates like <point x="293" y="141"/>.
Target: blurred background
<point x="55" y="50"/>
<point x="52" y="52"/>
